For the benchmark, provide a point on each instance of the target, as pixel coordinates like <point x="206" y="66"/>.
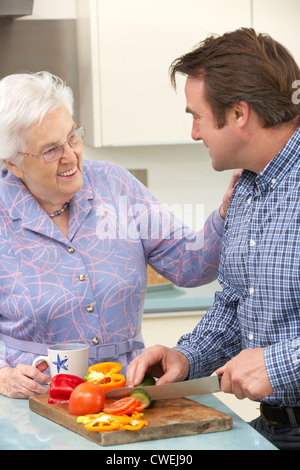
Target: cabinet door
<point x="125" y="50"/>
<point x="280" y="19"/>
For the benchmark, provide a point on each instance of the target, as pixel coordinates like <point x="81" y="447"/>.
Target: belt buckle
<point x="268" y="421"/>
<point x="105" y="352"/>
<point x="287" y="412"/>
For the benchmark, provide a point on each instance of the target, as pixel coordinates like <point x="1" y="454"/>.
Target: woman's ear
<point x="17" y="171"/>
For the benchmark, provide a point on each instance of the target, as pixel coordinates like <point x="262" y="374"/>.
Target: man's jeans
<point x="283" y="437"/>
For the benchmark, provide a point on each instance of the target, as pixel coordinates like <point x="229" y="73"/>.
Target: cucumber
<point x="147" y="380"/>
<point x="142" y="395"/>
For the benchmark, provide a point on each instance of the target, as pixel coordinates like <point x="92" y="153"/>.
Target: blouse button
<point x="95" y="340"/>
<point x="71" y="250"/>
<point x="90" y="308"/>
<point x="81" y="277"/>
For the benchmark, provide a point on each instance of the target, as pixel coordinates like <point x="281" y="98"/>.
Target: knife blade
<point x="186" y="388"/>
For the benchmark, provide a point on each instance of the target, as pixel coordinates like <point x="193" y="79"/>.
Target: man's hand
<point x="246" y="375"/>
<point x="159" y="361"/>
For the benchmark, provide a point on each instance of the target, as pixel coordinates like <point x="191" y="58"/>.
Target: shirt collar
<point x="280" y="165"/>
<point x="20" y="204"/>
<point x="271" y="176"/>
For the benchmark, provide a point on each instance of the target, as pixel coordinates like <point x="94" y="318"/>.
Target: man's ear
<point x="241" y="111"/>
<point x="14" y="169"/>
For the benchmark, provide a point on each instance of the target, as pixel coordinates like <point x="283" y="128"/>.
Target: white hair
<point x="25" y="99"/>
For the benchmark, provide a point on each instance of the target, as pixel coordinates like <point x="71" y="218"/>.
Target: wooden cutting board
<point x="166" y="418"/>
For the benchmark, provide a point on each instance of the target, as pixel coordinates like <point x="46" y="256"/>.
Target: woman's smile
<point x="55" y="183"/>
<point x="68" y="173"/>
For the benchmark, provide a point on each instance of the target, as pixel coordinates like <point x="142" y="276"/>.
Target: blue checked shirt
<point x="260" y="277"/>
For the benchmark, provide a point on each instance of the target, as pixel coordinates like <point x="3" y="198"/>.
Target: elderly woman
<point x="76" y="238"/>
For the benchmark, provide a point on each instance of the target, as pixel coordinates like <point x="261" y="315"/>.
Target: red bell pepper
<point x="61" y="387"/>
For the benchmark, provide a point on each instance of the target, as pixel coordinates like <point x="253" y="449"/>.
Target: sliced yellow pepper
<point x="106" y="375"/>
<point x="101" y="426"/>
<point x="134" y="426"/>
<point x="106" y="422"/>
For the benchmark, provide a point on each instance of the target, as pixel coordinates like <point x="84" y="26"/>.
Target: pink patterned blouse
<point x="90" y="288"/>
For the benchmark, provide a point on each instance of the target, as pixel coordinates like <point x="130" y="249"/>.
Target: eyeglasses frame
<point x="78" y="126"/>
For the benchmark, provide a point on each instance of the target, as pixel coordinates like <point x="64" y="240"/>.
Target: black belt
<point x="279" y="416"/>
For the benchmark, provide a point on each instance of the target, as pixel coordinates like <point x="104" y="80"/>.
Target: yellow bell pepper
<point x="105" y="422"/>
<point x="106" y="375"/>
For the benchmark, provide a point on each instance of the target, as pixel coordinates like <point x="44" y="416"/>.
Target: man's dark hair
<point x="244" y="66"/>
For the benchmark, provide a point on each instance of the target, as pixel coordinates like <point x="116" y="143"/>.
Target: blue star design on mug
<point x="60" y="363"/>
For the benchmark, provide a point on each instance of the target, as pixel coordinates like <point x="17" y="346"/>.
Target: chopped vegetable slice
<point x="107" y="422"/>
<point x="134" y="425"/>
<point x="106" y="375"/>
<point x="141" y="407"/>
<point x="120" y="406"/>
<point x="142" y="396"/>
<point x="98" y="426"/>
<point x="106" y="367"/>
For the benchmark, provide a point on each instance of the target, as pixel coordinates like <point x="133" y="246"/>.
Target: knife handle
<point x="219" y="379"/>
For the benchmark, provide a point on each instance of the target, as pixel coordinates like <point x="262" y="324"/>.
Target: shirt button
<point x="95" y="340"/>
<point x="273" y="181"/>
<point x="81" y="277"/>
<point x="250" y="336"/>
<point x="71" y="250"/>
<point x="90" y="308"/>
<point x="251" y="290"/>
<point x="252" y="243"/>
<point x="249" y="200"/>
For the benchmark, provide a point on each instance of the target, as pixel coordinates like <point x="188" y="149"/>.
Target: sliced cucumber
<point x="142" y="395"/>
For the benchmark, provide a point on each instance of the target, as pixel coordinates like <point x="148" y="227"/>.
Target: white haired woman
<point x="76" y="238"/>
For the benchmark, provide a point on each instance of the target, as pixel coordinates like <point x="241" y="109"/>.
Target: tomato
<point x="86" y="398"/>
<point x="120" y="406"/>
<point x="141" y="407"/>
<point x="129" y="410"/>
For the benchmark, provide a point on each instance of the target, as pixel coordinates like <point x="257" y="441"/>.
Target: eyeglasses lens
<point x="56" y="152"/>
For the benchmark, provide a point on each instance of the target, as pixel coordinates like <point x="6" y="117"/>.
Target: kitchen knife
<point x="186" y="388"/>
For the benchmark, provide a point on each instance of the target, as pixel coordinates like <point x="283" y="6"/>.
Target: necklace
<point x="65" y="206"/>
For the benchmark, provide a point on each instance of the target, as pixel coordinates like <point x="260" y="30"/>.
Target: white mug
<point x="68" y="358"/>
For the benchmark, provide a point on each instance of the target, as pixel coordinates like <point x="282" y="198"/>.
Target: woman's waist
<point x="99" y="351"/>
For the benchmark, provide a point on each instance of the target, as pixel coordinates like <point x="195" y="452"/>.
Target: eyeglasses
<point x="55" y="152"/>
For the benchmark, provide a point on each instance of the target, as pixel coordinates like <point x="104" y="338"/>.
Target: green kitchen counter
<point x="167" y="298"/>
<point x="23" y="429"/>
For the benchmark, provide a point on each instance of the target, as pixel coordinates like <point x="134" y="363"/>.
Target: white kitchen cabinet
<point x="125" y="48"/>
<point x="280" y="19"/>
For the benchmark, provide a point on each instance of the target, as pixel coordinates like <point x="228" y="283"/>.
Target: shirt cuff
<point x="218" y="221"/>
<point x="283" y="364"/>
<point x="194" y="360"/>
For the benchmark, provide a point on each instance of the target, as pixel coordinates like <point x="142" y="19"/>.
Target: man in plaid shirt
<point x="241" y="91"/>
